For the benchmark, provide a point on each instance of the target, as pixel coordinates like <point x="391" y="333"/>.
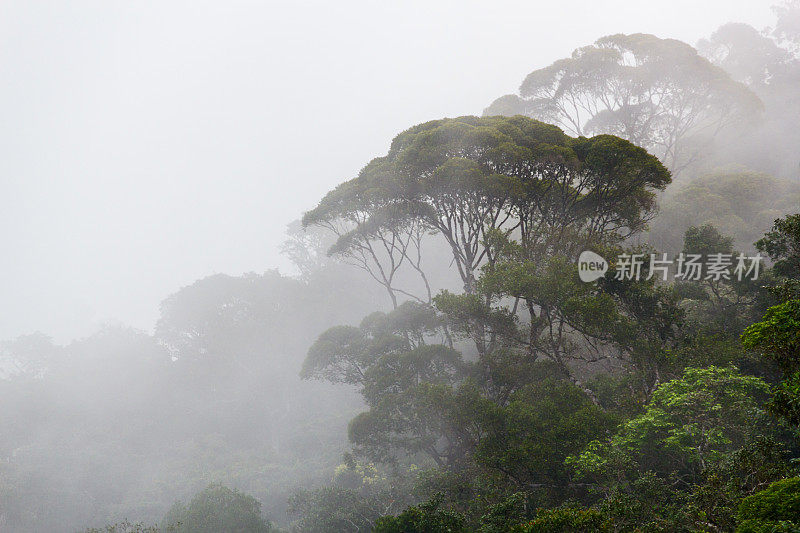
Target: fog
<point x="145" y="145"/>
<point x="313" y="266"/>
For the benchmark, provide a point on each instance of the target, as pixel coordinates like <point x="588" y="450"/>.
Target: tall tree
<point x="217" y="508"/>
<point x="768" y="62"/>
<point x="777" y="335"/>
<point x="470" y="178"/>
<point x="657" y="93"/>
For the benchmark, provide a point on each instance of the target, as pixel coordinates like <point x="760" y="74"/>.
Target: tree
<point x="742" y="205"/>
<point x="336" y="509"/>
<point x="391" y="357"/>
<point x="466" y="178"/>
<point x="776" y="508"/>
<point x="343" y="354"/>
<point x="375" y="237"/>
<point x="434" y="418"/>
<point x="787" y="28"/>
<point x="502" y="193"/>
<point x="657" y="93"/>
<point x="689" y="425"/>
<point x="218" y="508"/>
<point x="745" y="471"/>
<point x="127" y="527"/>
<point x="529" y="438"/>
<point x="576" y="325"/>
<point x="777" y="336"/>
<point x="748" y="55"/>
<point x="425" y="518"/>
<point x="726" y="304"/>
<point x="768" y="62"/>
<point x="565" y="520"/>
<point x="481" y="182"/>
<point x="782" y="244"/>
<point x="28" y="356"/>
<point x="220" y="320"/>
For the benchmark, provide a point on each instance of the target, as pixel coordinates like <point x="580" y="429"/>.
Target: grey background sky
<point x="145" y="144"/>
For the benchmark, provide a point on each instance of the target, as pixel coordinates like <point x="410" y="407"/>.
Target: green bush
<point x="774" y="509"/>
<point x="424" y="518"/>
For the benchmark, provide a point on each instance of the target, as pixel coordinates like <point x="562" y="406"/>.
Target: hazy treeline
<point x="123" y="423"/>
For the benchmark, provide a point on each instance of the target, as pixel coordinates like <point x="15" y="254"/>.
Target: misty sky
<point x="144" y="145"/>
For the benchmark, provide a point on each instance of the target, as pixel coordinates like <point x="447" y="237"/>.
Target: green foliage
<point x="215" y="509"/>
<point x="565" y="520"/>
<point x="767" y="526"/>
<point x="572" y="323"/>
<point x="470" y="316"/>
<point x="741" y="205"/>
<point x="785" y="401"/>
<point x="706" y="240"/>
<point x="465" y="178"/>
<point x="417" y="417"/>
<point x="707" y="346"/>
<point x="542" y="423"/>
<point x="649" y="503"/>
<point x="427" y="517"/>
<point x="388" y="355"/>
<point x="335" y="509"/>
<point x="776" y="508"/>
<point x="653" y="316"/>
<point x="688" y="426"/>
<point x="777" y="336"/>
<point x="782" y="244"/>
<point x="506" y="515"/>
<point x="746" y="470"/>
<point x="717" y="307"/>
<point x="343" y="354"/>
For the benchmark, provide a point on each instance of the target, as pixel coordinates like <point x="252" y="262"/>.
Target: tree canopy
<point x="465" y="178"/>
<point x="657" y="93"/>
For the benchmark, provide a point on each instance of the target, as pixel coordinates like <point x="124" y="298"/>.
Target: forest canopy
<point x="435" y="362"/>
